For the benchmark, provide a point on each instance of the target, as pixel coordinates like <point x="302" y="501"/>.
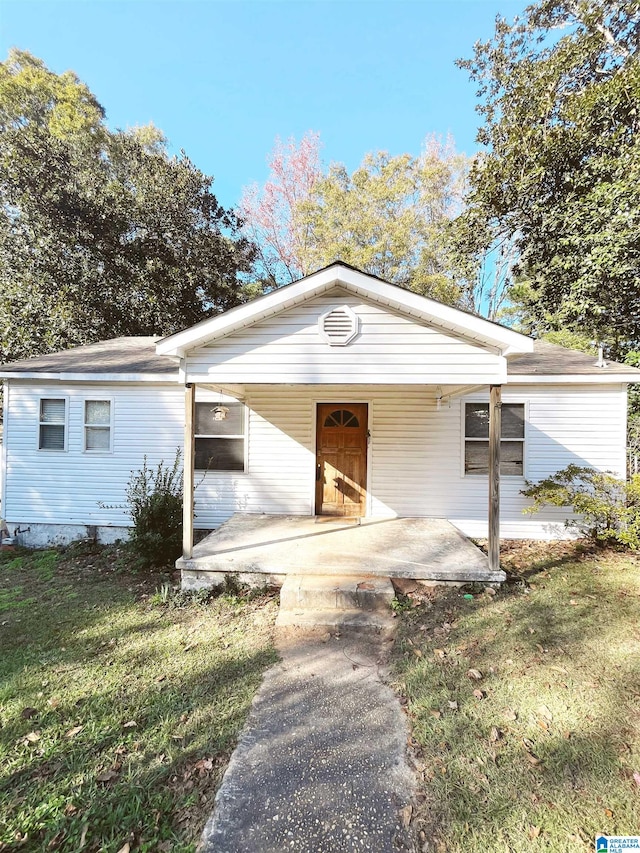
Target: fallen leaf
<point x="74" y="731"/>
<point x="436" y="714"/>
<point x="131" y="724"/>
<point x="573" y="602"/>
<point x="543" y="725"/>
<point x="453" y="705"/>
<point x="55" y="841"/>
<point x="405" y="815"/>
<point x="126" y="847"/>
<point x="53" y="702"/>
<point x="83" y="836"/>
<point x="33" y="737"/>
<point x="106" y="776"/>
<point x="28" y="713"/>
<point x="474" y="674"/>
<point x="495" y="734"/>
<point x="636" y="778"/>
<point x="608" y="813"/>
<point x="533" y="759"/>
<point x="439" y="653"/>
<point x="510" y="715"/>
<point x="545" y="712"/>
<point x="534" y="832"/>
<point x="479" y="694"/>
<point x="417" y="653"/>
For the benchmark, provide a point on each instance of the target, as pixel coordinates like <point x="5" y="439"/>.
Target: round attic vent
<point x="339" y="326"/>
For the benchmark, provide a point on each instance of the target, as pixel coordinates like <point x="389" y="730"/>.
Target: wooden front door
<point x="341" y="459"/>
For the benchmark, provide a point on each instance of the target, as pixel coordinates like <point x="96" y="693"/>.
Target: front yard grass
<point x="525" y="705"/>
<point x="118" y="713"/>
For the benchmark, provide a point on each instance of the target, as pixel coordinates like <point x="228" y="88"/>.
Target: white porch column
<point x="188" y="467"/>
<point x="495" y="434"/>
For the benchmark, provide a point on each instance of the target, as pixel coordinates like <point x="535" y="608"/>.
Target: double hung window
<point x="220" y="437"/>
<point x="52" y="433"/>
<point x="97" y="426"/>
<point x="476" y="439"/>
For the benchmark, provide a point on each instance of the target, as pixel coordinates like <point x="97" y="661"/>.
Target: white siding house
<point x="411" y="377"/>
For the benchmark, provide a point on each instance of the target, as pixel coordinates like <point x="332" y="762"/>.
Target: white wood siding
<point x="289" y="348"/>
<point x="415" y="455"/>
<point x="64" y="487"/>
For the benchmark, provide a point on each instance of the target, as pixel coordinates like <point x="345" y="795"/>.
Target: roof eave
<point x="571" y="378"/>
<point x="48" y="376"/>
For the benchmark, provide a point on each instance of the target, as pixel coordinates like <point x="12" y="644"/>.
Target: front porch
<point x="269" y="547"/>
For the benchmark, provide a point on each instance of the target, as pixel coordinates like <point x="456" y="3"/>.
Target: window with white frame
<point x="220" y="437"/>
<point x="52" y="433"/>
<point x="97" y="426"/>
<point x="476" y="439"/>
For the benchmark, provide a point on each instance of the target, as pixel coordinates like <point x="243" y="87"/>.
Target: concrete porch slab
<point x="421" y="548"/>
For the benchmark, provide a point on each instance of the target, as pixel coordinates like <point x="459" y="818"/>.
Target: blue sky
<point x="223" y="78"/>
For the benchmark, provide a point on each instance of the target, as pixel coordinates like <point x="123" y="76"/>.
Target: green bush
<point x="154" y="501"/>
<point x="608" y="508"/>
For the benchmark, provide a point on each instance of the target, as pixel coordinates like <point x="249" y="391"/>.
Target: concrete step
<point x="336" y="601"/>
<point x="357" y="620"/>
<point x="336" y="592"/>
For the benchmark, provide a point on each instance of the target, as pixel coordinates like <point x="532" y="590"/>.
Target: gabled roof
<point x="549" y="359"/>
<point x="337" y="274"/>
<point x="124" y="358"/>
<point x="132" y="359"/>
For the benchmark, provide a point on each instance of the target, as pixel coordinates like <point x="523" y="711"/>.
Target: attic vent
<point x="339" y="326"/>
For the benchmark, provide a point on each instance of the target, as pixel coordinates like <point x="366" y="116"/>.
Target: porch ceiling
<point x="420" y="548"/>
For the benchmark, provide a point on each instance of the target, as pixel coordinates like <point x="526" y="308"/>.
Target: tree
<point x="391" y="217"/>
<point x="270" y="212"/>
<point x="560" y="88"/>
<point x="101" y="233"/>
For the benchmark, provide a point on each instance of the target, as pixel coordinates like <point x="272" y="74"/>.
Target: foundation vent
<point x="339" y="326"/>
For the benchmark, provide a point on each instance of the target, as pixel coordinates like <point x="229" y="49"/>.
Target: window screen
<point x="219" y="437"/>
<point x="53" y="417"/>
<point x="476" y="435"/>
<point x="97" y="425"/>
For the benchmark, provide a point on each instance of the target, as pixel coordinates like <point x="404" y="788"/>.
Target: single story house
<point x="339" y="394"/>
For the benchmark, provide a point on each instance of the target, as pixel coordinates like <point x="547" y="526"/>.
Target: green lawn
<point x="525" y="705"/>
<point x="117" y="712"/>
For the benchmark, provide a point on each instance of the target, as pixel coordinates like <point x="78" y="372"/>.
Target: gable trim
<point x="421" y="308"/>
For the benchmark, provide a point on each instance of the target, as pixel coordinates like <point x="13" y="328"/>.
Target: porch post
<point x="188" y="465"/>
<point x="495" y="434"/>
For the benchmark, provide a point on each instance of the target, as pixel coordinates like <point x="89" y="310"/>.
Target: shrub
<point x="608" y="508"/>
<point x="154" y="501"/>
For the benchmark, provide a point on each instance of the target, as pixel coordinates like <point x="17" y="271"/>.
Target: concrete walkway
<point x="320" y="766"/>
